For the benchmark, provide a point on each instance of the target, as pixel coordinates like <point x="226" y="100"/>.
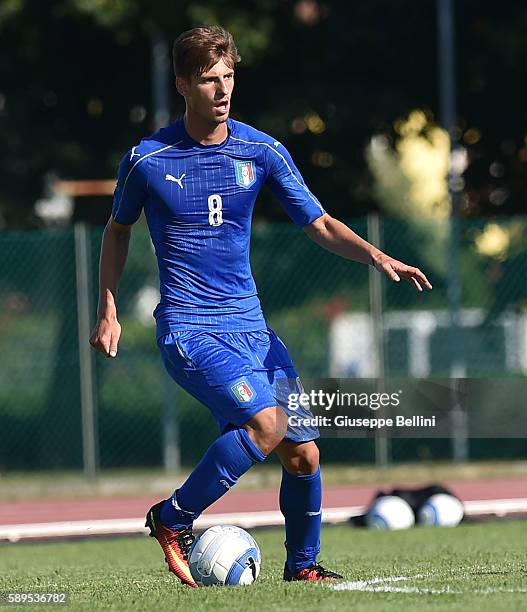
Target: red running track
<point x="44" y="511"/>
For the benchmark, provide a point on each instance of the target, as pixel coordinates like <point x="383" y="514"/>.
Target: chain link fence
<point x="63" y="406"/>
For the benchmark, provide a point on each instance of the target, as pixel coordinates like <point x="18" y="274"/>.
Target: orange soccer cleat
<point x="312" y="573"/>
<point x="176" y="544"/>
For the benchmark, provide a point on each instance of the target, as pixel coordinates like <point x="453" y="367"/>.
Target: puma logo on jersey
<point x="314" y="513"/>
<point x="134" y="154"/>
<point x="179" y="180"/>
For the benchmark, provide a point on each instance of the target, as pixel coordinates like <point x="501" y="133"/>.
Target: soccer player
<point x="197" y="181"/>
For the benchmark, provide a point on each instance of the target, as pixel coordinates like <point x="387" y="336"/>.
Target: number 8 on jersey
<point x="215" y="212"/>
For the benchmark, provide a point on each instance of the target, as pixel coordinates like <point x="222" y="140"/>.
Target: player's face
<point x="209" y="95"/>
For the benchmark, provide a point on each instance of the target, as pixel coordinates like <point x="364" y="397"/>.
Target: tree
<point x="321" y="77"/>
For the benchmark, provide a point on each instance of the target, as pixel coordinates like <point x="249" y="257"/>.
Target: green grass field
<point x="472" y="567"/>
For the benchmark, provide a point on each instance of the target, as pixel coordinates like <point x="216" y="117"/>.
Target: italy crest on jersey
<point x="245" y="173"/>
<point x="243" y="391"/>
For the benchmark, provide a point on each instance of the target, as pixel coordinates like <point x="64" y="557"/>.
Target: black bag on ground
<point x="414" y="497"/>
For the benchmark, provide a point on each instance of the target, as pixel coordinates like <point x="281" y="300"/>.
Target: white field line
<point x="14" y="533"/>
<point x="247" y="520"/>
<point x="499" y="507"/>
<point x="379" y="585"/>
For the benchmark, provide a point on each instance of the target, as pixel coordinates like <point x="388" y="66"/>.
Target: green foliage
<point x="302" y="289"/>
<point x="109" y="13"/>
<point x="9" y="8"/>
<point x="60" y="59"/>
<point x="252" y="36"/>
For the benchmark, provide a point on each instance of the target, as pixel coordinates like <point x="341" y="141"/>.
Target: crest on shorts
<point x="245" y="173"/>
<point x="243" y="391"/>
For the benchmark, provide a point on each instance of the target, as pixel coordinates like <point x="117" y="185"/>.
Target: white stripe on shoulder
<point x="138" y="162"/>
<point x="266" y="144"/>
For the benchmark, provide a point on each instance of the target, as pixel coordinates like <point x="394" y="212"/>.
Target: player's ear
<point x="182" y="86"/>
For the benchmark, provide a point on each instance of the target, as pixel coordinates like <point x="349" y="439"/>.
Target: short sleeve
<point x="130" y="191"/>
<point x="288" y="186"/>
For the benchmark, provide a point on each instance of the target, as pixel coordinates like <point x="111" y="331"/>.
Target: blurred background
<point x="407" y="119"/>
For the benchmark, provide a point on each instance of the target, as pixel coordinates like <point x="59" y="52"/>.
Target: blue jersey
<point x="198" y="202"/>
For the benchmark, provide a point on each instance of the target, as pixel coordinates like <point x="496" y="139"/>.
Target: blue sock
<point x="301" y="504"/>
<point x="226" y="459"/>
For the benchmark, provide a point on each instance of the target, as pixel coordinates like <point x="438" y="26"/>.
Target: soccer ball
<point x="225" y="555"/>
<point x="441" y="510"/>
<point x="390" y="512"/>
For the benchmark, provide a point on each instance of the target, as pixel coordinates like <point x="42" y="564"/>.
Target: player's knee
<point x="304" y="460"/>
<point x="268" y="428"/>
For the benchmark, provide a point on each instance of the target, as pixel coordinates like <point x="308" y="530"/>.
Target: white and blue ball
<point x="441" y="510"/>
<point x="225" y="555"/>
<point x="390" y="512"/>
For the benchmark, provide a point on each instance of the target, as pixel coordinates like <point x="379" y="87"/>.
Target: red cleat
<point x="175" y="544"/>
<point x="312" y="573"/>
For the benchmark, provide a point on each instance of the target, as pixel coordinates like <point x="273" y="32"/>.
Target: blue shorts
<point x="236" y="374"/>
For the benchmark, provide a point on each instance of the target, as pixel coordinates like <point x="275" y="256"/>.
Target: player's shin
<point x="300" y="503"/>
<point x="228" y="458"/>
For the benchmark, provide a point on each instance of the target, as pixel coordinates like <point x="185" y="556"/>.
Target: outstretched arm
<point x="338" y="238"/>
<point x="114" y="251"/>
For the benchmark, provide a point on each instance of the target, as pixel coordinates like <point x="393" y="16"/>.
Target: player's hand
<point x="396" y="270"/>
<point x="105" y="337"/>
